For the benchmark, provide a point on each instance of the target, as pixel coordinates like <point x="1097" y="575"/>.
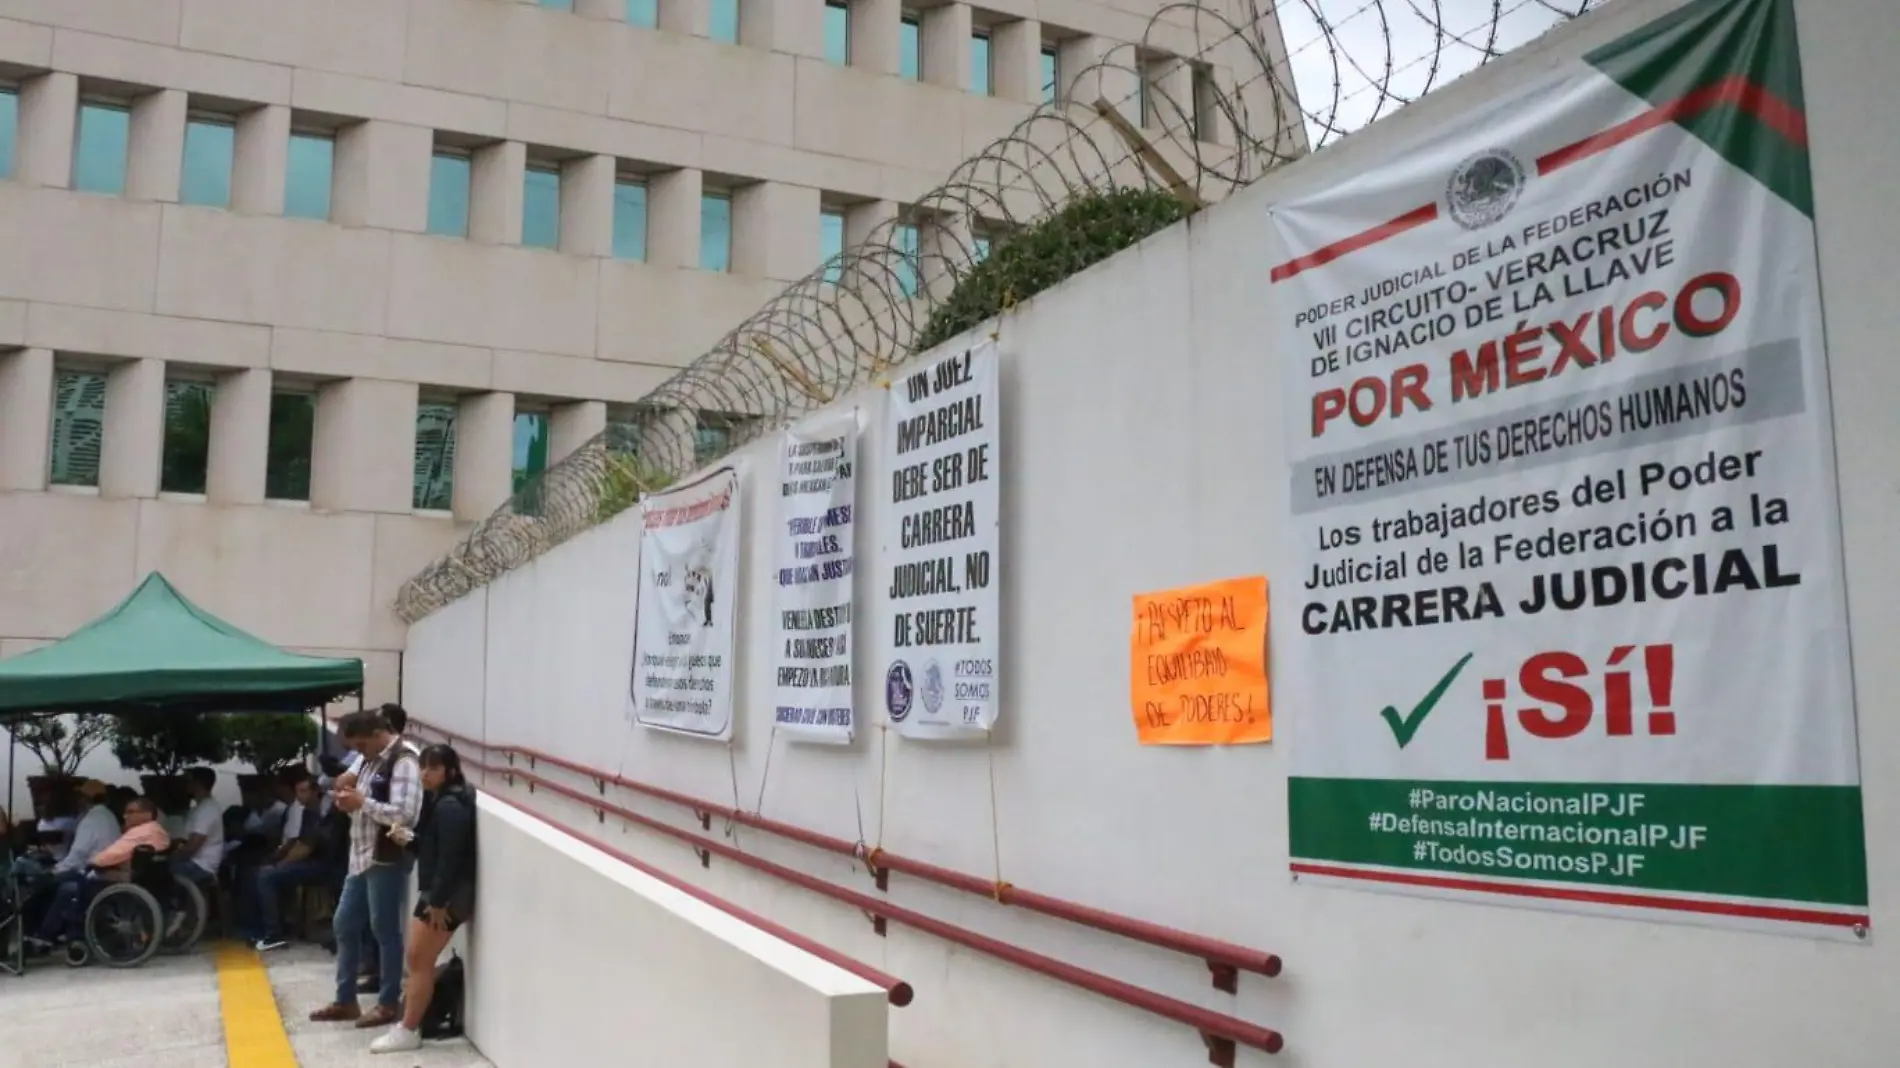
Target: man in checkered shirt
<point x="382" y="791"/>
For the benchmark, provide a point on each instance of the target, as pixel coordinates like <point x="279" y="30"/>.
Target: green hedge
<point x="1086" y="231"/>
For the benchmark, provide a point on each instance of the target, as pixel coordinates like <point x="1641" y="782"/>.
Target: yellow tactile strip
<point x="253" y="1028"/>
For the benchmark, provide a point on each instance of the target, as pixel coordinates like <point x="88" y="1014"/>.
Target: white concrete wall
<point x="1141" y="423"/>
<point x="592" y="962"/>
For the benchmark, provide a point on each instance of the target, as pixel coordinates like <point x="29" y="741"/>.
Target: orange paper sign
<point x="1200" y="664"/>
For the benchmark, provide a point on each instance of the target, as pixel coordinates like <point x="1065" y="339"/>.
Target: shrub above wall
<point x="1088" y="230"/>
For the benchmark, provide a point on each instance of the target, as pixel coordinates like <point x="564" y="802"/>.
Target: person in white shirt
<point x="97" y="829"/>
<point x="197" y="857"/>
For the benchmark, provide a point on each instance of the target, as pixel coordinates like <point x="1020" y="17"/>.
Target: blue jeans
<point x="372" y="899"/>
<point x="262" y="894"/>
<point x="66" y="918"/>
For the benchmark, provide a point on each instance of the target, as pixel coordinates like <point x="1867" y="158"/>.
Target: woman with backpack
<point x="444" y="842"/>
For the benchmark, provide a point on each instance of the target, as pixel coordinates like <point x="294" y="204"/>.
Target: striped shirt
<point x="402" y="809"/>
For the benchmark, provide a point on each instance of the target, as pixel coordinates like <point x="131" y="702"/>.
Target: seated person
<point x="97" y="829"/>
<point x="65" y="920"/>
<point x="315" y="853"/>
<point x="198" y="856"/>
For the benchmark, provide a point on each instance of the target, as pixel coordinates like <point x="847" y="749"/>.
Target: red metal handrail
<point x="897" y="990"/>
<point x="1220" y="1032"/>
<point x="1224" y="958"/>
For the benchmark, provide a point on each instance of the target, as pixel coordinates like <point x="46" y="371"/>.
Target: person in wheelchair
<point x="64" y="920"/>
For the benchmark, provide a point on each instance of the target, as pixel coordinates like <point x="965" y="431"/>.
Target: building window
<point x="210" y="142"/>
<point x="1206" y="102"/>
<point x="541" y="207"/>
<point x="530" y="447"/>
<point x="980" y="63"/>
<point x="725" y="21"/>
<point x="448" y="194"/>
<point x="907" y="264"/>
<point x="837" y="32"/>
<point x="622" y="436"/>
<point x="715" y="434"/>
<point x="435" y="456"/>
<point x="910" y="55"/>
<point x="1048" y="74"/>
<point x="715" y="232"/>
<point x="293" y="420"/>
<point x="9" y="128"/>
<point x="630" y="219"/>
<point x="831" y="244"/>
<point x="79" y="424"/>
<point x="981" y="248"/>
<point x="1144" y="95"/>
<point x="643" y="13"/>
<point x="99" y="148"/>
<point x="307" y="175"/>
<point x="187" y="449"/>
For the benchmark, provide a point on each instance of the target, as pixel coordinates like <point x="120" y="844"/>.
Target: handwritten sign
<point x="1199" y="663"/>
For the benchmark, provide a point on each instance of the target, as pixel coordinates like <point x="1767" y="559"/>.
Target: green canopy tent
<point x="158" y="653"/>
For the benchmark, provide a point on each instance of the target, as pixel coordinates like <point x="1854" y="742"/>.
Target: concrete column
<point x="874" y="36"/>
<point x="945" y="42"/>
<point x="1170" y="96"/>
<point x="363" y="448"/>
<point x="774" y="230"/>
<point x="240" y="437"/>
<point x="134" y="429"/>
<point x="26" y="418"/>
<point x="1097" y="68"/>
<point x="864" y="222"/>
<point x="666" y="440"/>
<point x="691" y="18"/>
<point x="587" y="206"/>
<point x="260" y="160"/>
<point x="944" y="249"/>
<point x="495" y="193"/>
<point x="381" y="176"/>
<point x="573" y="425"/>
<point x="795" y="27"/>
<point x="673" y="218"/>
<point x="155" y="149"/>
<point x="49" y="117"/>
<point x="1016" y="61"/>
<point x="484" y="454"/>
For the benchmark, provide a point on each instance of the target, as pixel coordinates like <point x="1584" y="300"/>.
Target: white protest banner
<point x="689" y="583"/>
<point x="942" y="613"/>
<point x="1567" y="625"/>
<point x="817" y="562"/>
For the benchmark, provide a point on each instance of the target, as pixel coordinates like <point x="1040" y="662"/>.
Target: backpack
<point x="443" y="1018"/>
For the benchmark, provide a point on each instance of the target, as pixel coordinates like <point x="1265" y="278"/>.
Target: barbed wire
<point x="1206" y="103"/>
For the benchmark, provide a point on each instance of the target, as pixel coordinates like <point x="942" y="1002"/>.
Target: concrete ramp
<point x="576" y="957"/>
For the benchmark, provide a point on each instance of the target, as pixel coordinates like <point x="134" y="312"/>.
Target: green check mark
<point x="1404" y="728"/>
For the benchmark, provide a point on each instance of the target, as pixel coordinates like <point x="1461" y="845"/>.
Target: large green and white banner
<point x="1563" y="622"/>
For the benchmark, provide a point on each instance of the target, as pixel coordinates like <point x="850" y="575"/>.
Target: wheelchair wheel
<point x="123" y="926"/>
<point x="185" y="919"/>
<point x="78" y="955"/>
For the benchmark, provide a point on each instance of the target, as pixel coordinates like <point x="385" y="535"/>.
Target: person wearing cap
<point x="97" y="829"/>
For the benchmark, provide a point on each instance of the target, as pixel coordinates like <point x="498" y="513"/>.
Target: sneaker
<point x="265" y="945"/>
<point x="398" y="1039"/>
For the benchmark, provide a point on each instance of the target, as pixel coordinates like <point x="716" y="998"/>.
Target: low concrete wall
<point x="600" y="964"/>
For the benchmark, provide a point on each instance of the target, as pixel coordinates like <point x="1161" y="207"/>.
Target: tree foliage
<point x="626" y="479"/>
<point x="1088" y="230"/>
<point x="60" y="742"/>
<point x="268" y="741"/>
<point x="167" y="744"/>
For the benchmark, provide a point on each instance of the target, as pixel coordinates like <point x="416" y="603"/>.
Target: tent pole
<point x="13" y="750"/>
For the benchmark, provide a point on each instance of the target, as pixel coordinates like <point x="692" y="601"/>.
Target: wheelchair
<point x="155" y="911"/>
